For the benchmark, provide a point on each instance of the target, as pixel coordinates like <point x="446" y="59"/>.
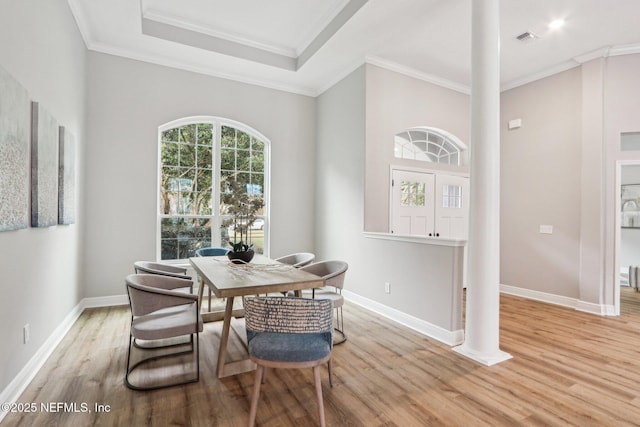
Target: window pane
<point x="228" y="137"/>
<point x="257" y="183"/>
<point x="170" y="135"/>
<point x="412" y="193"/>
<point x="257" y="161"/>
<point x="169" y="154"/>
<point x="243" y="160"/>
<point x="187" y="155"/>
<point x="243" y="140"/>
<point x="181" y="237"/>
<point x="205" y="134"/>
<point x="188" y="134"/>
<point x="257" y="145"/>
<point x="204" y="156"/>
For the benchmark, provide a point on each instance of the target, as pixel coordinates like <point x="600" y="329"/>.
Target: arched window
<point x="201" y="160"/>
<point x="428" y="145"/>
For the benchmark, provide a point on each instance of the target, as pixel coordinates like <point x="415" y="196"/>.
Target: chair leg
<point x="339" y="327"/>
<point x="316" y="376"/>
<point x="330" y="372"/>
<point x="256" y="395"/>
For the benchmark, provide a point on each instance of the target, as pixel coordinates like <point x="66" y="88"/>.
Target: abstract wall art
<point x="14" y="153"/>
<point x="44" y="167"/>
<point x="66" y="178"/>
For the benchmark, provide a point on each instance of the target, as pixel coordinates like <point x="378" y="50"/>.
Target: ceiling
<point x="306" y="46"/>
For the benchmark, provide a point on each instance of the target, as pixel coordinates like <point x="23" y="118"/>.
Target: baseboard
<point x="18" y="385"/>
<point x="105" y="301"/>
<point x="450" y="338"/>
<point x="576" y="304"/>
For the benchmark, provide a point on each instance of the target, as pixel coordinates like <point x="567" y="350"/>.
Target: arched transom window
<point x="428" y="145"/>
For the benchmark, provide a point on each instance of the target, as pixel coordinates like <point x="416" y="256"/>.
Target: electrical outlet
<point x="26" y="333"/>
<point x="387" y="287"/>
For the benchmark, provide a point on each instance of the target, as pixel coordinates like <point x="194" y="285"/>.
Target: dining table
<point x="229" y="280"/>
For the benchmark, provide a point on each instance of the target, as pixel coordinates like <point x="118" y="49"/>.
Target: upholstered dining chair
<point x="159" y="313"/>
<point x="210" y="252"/>
<point x="299" y="259"/>
<point x="286" y="332"/>
<point x="333" y="272"/>
<point x="148" y="267"/>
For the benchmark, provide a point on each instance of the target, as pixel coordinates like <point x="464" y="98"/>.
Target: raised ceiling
<point x="305" y="46"/>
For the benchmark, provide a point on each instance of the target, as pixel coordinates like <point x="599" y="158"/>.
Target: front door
<point x="412" y="211"/>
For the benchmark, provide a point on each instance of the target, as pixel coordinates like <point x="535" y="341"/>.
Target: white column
<point x="482" y="322"/>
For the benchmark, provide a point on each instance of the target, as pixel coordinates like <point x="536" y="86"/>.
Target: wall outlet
<point x="387" y="287"/>
<point x="26" y="333"/>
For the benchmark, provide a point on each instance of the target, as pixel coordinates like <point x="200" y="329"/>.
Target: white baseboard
<point x="450" y="338"/>
<point x="576" y="304"/>
<point x="17" y="386"/>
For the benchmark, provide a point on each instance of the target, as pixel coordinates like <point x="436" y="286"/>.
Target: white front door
<point x="452" y="206"/>
<point x="412" y="210"/>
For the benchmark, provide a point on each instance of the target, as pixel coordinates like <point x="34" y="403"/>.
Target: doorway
<point x="627" y="224"/>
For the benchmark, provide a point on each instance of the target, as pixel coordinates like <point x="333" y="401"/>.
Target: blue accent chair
<point x="285" y="332"/>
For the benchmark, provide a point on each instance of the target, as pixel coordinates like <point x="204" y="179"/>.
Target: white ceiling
<point x="305" y="46"/>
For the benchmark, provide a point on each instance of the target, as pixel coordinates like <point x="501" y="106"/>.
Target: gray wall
<point x="40" y="45"/>
<point x="128" y="100"/>
<point x="396" y="102"/>
<point x="540" y="185"/>
<point x="420" y="275"/>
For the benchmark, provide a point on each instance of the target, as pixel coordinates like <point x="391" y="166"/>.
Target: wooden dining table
<point x="259" y="277"/>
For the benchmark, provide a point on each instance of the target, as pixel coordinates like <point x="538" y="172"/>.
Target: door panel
<point x="412" y="210"/>
<point x="452" y="206"/>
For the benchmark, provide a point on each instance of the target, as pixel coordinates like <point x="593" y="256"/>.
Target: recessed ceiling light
<point x="554" y="25"/>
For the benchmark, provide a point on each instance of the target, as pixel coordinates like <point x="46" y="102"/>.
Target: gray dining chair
<point x="149" y="267"/>
<point x="333" y="272"/>
<point x="202" y="252"/>
<point x="285" y="332"/>
<point x="159" y="314"/>
<point x="299" y="259"/>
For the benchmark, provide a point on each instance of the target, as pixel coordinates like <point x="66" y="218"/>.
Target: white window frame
<point x="216" y="218"/>
<point x="446" y="137"/>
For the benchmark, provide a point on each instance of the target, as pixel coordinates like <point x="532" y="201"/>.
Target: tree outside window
<point x="199" y="162"/>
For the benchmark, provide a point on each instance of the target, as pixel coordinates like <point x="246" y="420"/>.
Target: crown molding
<point x="171" y="63"/>
<point x="539" y="75"/>
<point x="157" y="16"/>
<point x="412" y="72"/>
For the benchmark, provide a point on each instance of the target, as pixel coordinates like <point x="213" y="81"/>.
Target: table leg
<point x="200" y="293"/>
<point x="222" y="351"/>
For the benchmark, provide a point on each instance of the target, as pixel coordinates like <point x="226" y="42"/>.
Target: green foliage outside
<point x="187" y="187"/>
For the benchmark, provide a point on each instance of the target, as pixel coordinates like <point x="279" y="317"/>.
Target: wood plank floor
<point x="568" y="368"/>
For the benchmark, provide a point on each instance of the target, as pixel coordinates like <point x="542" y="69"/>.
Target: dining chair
<point x="210" y="252"/>
<point x="158" y="314"/>
<point x="286" y="332"/>
<point x="299" y="259"/>
<point x="148" y="267"/>
<point x="333" y="273"/>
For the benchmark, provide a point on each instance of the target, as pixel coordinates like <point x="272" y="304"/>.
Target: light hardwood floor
<point x="568" y="368"/>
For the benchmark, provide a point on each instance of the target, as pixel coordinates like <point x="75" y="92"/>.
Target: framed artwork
<point x="14" y="153"/>
<point x="66" y="178"/>
<point x="44" y="167"/>
<point x="630" y="205"/>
